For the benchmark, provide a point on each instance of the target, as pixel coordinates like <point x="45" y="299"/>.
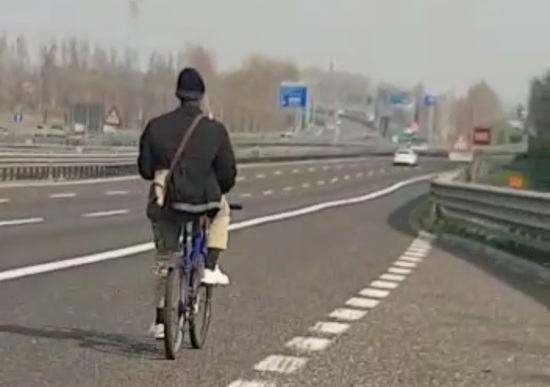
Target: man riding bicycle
<point x="206" y="173"/>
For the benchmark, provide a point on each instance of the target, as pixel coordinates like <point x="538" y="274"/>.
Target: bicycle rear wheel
<point x="199" y="319"/>
<point x="174" y="317"/>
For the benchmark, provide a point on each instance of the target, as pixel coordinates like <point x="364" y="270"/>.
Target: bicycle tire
<point x="174" y="318"/>
<point x="199" y="331"/>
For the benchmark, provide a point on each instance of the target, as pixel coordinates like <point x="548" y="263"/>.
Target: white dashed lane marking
<point x="405" y="264"/>
<point x="102" y="214"/>
<point x="281" y="364"/>
<point x="374" y="293"/>
<point x="4" y="200"/>
<point x="116" y="193"/>
<point x="251" y="383"/>
<point x="305" y="185"/>
<point x="277" y="173"/>
<point x="268" y="192"/>
<point x="347" y="314"/>
<point x="246" y="195"/>
<point x="308" y="344"/>
<point x="260" y="175"/>
<point x="392" y="277"/>
<point x="329" y="328"/>
<point x="399" y="270"/>
<point x="363" y="303"/>
<point x="384" y="284"/>
<point x="367" y="299"/>
<point x="20" y="222"/>
<point x="63" y="195"/>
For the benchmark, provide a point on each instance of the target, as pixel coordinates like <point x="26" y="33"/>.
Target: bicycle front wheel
<point x="174" y="317"/>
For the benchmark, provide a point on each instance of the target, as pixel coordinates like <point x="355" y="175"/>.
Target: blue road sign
<point x="293" y="95"/>
<point x="430" y="100"/>
<point x="397" y="98"/>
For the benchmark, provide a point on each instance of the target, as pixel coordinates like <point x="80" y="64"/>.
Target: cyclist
<point x="210" y="172"/>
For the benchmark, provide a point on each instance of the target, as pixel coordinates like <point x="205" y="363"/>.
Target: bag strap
<point x="183" y="144"/>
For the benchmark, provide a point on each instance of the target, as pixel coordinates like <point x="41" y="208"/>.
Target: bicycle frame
<point x="193" y="250"/>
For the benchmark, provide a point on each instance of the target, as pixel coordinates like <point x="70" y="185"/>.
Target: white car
<point x="405" y="157"/>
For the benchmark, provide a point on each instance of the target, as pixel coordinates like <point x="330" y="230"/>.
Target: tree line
<point x="71" y="71"/>
<point x="48" y="80"/>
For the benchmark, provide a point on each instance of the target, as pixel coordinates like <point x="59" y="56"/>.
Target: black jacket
<point x="207" y="168"/>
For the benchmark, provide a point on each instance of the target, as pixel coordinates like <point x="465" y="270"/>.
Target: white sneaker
<point x="157" y="330"/>
<point x="215" y="277"/>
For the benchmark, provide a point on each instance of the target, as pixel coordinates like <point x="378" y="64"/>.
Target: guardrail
<point x="512" y="216"/>
<point x="69" y="167"/>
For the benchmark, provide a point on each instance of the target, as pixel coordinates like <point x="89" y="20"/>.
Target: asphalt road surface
<point x="344" y="296"/>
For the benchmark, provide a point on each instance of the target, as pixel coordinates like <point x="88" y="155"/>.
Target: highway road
<point x="341" y="296"/>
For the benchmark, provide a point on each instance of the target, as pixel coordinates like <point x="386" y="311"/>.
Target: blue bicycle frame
<point x="193" y="255"/>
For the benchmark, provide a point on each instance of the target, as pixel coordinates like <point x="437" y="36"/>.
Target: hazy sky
<point x="448" y="44"/>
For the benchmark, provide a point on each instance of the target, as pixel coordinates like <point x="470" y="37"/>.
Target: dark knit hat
<point x="190" y="84"/>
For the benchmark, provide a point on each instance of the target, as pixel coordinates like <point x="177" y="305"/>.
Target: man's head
<point x="190" y="85"/>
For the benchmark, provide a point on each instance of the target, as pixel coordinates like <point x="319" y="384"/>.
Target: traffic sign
<point x="293" y="95"/>
<point x="113" y="118"/>
<point x="461" y="144"/>
<point x="461" y="150"/>
<point x="482" y="136"/>
<point x="397" y="98"/>
<point x="430" y="100"/>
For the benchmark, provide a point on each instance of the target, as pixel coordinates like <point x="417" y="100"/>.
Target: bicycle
<point x="184" y="291"/>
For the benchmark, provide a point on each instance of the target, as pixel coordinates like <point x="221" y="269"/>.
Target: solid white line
<point x="392" y="277"/>
<point x="116" y="193"/>
<point x="329" y="328"/>
<point x="348" y="314"/>
<point x="399" y="270"/>
<point x="374" y="293"/>
<point x="288" y="189"/>
<point x="19" y="222"/>
<point x="360" y="302"/>
<point x="281" y="364"/>
<point x="308" y="344"/>
<point x="384" y="284"/>
<point x="63" y="195"/>
<point x="101" y="214"/>
<point x="268" y="192"/>
<point x="145" y="247"/>
<point x="251" y="383"/>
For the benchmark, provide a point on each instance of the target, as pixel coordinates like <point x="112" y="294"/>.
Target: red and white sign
<point x="482" y="136"/>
